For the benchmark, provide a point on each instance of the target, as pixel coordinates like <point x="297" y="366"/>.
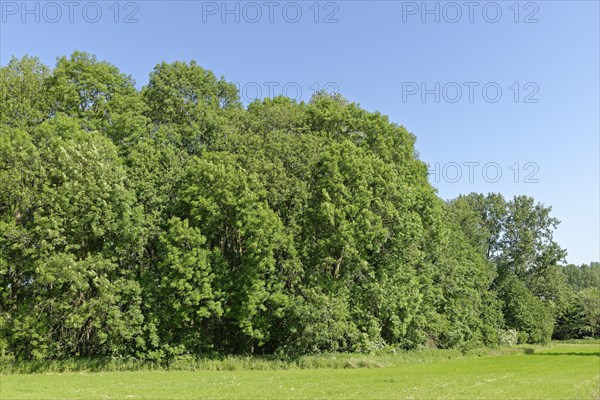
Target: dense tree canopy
<point x="173" y="220"/>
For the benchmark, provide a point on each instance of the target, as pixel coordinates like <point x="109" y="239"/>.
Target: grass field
<point x="557" y="371"/>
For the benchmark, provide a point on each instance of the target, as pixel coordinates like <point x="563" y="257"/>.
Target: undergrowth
<point x="381" y="359"/>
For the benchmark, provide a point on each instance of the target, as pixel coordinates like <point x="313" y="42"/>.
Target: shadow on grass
<point x="566" y="353"/>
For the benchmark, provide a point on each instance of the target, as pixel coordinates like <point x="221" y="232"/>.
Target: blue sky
<point x="502" y="96"/>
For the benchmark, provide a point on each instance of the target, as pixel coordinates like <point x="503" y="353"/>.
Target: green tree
<point x="184" y="298"/>
<point x="517" y="238"/>
<point x="252" y="245"/>
<point x="589" y="299"/>
<point x="98" y="95"/>
<point x="171" y="220"/>
<point x="583" y="276"/>
<point x="24" y="93"/>
<point x="191" y="100"/>
<point x="68" y="243"/>
<point x="525" y="312"/>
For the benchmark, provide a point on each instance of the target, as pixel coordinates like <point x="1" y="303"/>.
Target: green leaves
<point x="516" y="238"/>
<point x="342" y="222"/>
<point x="525" y="312"/>
<point x="98" y="95"/>
<point x="192" y="100"/>
<point x="182" y="287"/>
<point x="171" y="220"/>
<point x="229" y="203"/>
<point x="24" y="93"/>
<point x="68" y="239"/>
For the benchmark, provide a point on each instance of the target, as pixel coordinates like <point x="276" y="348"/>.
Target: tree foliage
<point x="172" y="220"/>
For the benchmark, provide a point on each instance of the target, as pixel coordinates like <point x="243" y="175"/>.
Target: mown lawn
<point x="558" y="371"/>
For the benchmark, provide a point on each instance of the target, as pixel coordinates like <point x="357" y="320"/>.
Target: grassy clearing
<point x="561" y="370"/>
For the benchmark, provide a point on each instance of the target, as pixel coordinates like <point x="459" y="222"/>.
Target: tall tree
<point x="24" y="93"/>
<point x="192" y="100"/>
<point x="98" y="95"/>
<point x="68" y="241"/>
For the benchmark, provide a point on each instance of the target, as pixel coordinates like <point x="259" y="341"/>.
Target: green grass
<point x="560" y="371"/>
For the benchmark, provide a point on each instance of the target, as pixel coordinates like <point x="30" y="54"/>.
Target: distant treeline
<point x="173" y="220"/>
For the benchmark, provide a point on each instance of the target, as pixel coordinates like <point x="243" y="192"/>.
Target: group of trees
<point x="581" y="316"/>
<point x="174" y="220"/>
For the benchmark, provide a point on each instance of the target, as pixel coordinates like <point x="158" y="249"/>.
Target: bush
<point x="526" y="313"/>
<point x="507" y="337"/>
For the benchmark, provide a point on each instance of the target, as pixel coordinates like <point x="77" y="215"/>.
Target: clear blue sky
<point x="381" y="54"/>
